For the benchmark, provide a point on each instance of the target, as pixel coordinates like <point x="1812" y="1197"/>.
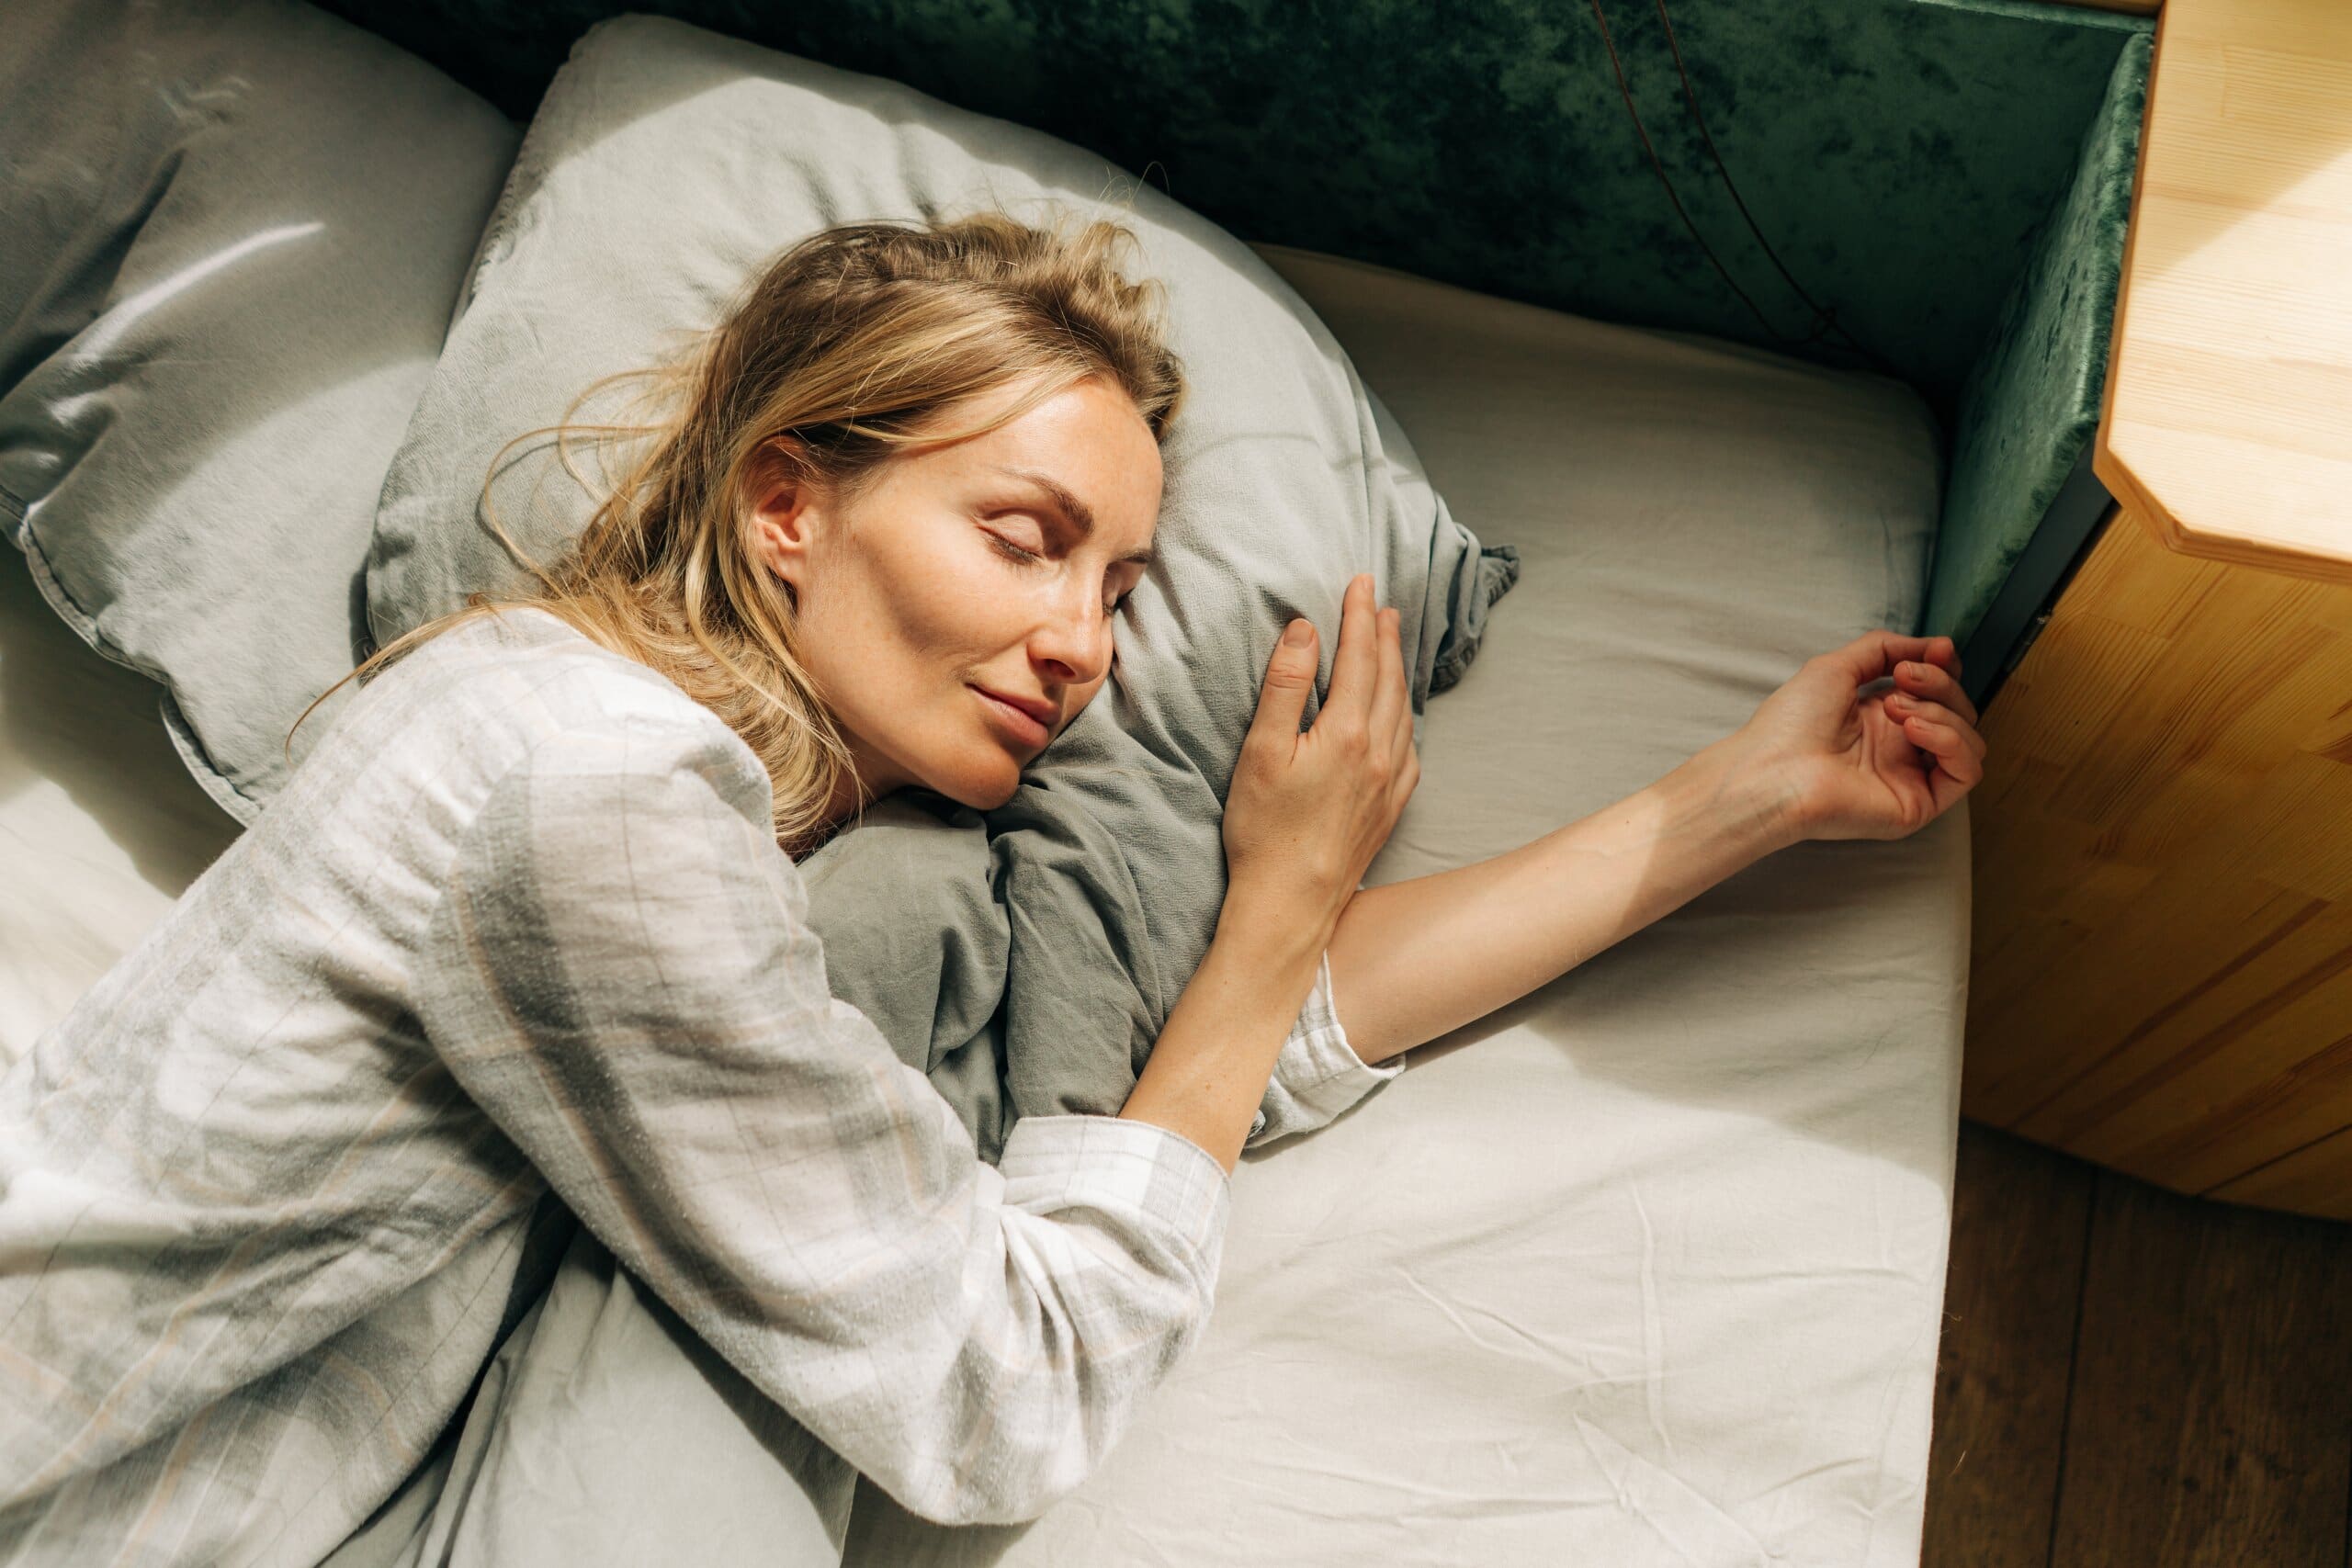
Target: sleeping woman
<point x="527" y="921"/>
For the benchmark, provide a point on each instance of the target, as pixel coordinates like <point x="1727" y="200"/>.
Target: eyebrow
<point x="1081" y="515"/>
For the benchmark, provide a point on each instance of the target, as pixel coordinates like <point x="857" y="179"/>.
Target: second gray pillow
<point x="231" y="233"/>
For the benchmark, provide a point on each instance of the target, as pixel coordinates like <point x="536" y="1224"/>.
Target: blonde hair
<point x="855" y="343"/>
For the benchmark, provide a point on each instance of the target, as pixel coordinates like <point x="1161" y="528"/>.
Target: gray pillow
<point x="231" y="235"/>
<point x="664" y="166"/>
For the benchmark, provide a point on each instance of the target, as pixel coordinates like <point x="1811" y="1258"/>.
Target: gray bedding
<point x="231" y="234"/>
<point x="1016" y="956"/>
<point x="1025" y="959"/>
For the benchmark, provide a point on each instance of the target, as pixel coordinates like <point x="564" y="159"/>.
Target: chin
<point x="983" y="788"/>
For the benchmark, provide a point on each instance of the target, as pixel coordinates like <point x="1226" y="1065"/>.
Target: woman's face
<point x="968" y="572"/>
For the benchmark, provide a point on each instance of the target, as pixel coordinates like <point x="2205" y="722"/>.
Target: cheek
<point x="907" y="606"/>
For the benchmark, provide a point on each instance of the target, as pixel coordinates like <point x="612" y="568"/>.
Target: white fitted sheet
<point x="1649" y="1267"/>
<point x="1646" y="1268"/>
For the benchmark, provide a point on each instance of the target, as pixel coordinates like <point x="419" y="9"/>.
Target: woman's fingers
<point x="1368" y="688"/>
<point x="1959" y="753"/>
<point x="1936" y="685"/>
<point x="1906" y="708"/>
<point x="1874" y="654"/>
<point x="1407" y="775"/>
<point x="1355" y="668"/>
<point x="1282" y="697"/>
<point x="1389" y="703"/>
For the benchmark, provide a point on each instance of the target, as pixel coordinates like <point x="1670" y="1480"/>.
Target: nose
<point x="1072" y="640"/>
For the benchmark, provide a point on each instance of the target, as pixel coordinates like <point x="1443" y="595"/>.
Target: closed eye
<point x="1026" y="558"/>
<point x="1013" y="550"/>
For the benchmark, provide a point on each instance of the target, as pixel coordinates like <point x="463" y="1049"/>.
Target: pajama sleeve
<point x="1318" y="1074"/>
<point x="621" y="974"/>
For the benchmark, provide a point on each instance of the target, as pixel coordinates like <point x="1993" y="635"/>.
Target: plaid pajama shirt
<point x="518" y="924"/>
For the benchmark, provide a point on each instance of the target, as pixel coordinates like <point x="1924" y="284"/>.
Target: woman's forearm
<point x="1412" y="960"/>
<point x="1208" y="1068"/>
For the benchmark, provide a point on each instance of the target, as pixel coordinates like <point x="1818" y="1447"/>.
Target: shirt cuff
<point x="1318" y="1074"/>
<point x="1119" y="1166"/>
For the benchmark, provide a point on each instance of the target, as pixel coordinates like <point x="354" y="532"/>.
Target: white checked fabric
<point x="518" y="924"/>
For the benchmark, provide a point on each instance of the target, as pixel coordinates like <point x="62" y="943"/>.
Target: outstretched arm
<point x="1820" y="758"/>
<point x="1412" y="960"/>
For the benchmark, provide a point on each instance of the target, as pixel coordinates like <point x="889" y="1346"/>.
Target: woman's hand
<point x="1846" y="765"/>
<point x="1303" y="818"/>
<point x="1307" y="812"/>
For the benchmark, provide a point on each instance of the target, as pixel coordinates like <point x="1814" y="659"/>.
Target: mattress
<point x="1645" y="1268"/>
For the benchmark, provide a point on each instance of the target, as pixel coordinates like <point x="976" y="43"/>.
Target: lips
<point x="1025" y="719"/>
<point x="1037" y="708"/>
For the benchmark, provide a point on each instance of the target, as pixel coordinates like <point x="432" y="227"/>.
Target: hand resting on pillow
<point x="1306" y="813"/>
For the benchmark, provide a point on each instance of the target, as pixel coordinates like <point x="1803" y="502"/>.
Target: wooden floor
<point x="2134" y="1379"/>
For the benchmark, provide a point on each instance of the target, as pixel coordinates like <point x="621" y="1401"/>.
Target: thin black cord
<point x="1627" y="92"/>
<point x="1824" y="317"/>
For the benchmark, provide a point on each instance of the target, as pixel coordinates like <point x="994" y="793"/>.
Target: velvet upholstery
<point x="1898" y="155"/>
<point x="1949" y="177"/>
<point x="2031" y="404"/>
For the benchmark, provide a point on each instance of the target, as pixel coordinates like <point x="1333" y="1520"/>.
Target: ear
<point x="780" y="514"/>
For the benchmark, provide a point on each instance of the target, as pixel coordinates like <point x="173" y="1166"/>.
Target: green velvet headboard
<point x="1902" y="157"/>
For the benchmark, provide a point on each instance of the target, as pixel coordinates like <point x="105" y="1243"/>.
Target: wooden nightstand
<point x="2161" y="980"/>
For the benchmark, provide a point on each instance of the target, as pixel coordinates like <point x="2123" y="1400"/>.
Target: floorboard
<point x="2211" y="1416"/>
<point x="2021" y="1215"/>
<point x="2131" y="1379"/>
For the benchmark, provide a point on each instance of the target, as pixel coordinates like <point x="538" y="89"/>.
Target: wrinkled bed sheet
<point x="1643" y="1269"/>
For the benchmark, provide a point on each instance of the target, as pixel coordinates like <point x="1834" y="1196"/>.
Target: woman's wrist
<point x="1750" y="800"/>
<point x="1281" y="925"/>
<point x="1209" y="1067"/>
